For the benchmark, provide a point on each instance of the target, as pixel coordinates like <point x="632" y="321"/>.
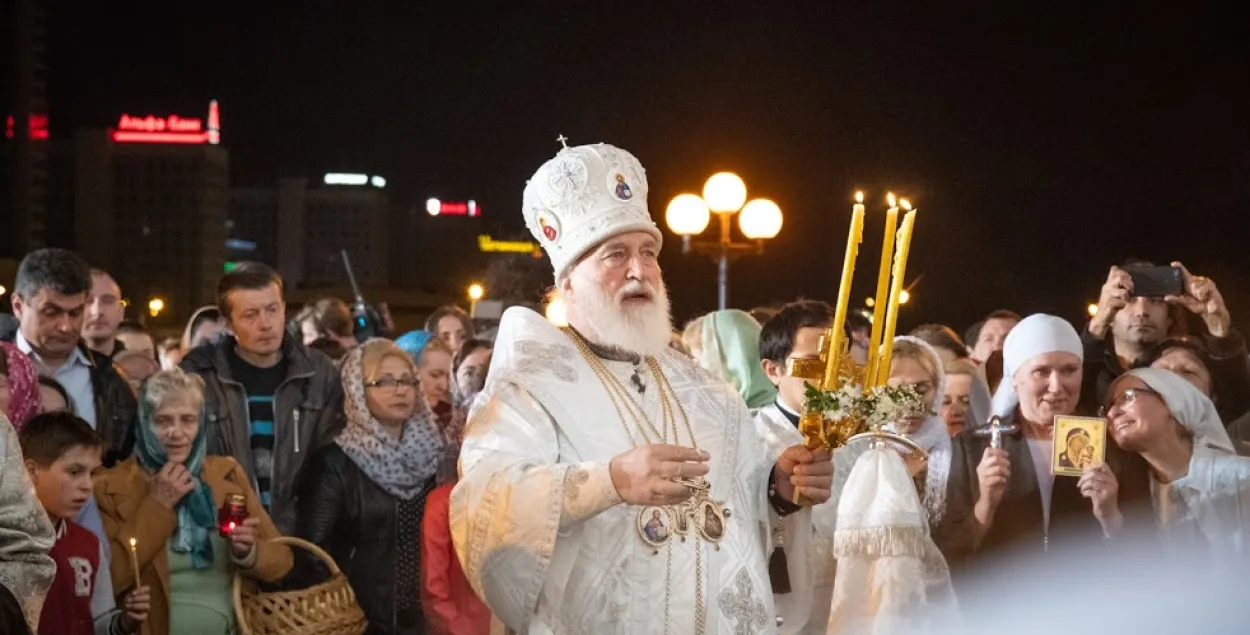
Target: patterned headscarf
<point x="402" y="465"/>
<point x="196" y="513"/>
<point x="24" y="399"/>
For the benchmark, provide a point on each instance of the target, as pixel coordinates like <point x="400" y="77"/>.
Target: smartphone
<point x="1157" y="282"/>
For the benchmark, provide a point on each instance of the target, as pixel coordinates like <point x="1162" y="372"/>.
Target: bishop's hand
<point x="808" y="471"/>
<point x="646" y="475"/>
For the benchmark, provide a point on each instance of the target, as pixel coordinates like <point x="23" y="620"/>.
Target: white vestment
<point x="537" y="523"/>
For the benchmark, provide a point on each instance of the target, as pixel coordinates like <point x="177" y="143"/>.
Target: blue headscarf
<point x="196" y="516"/>
<point x="413" y="342"/>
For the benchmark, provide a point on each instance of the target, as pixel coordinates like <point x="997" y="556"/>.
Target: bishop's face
<point x="616" y="295"/>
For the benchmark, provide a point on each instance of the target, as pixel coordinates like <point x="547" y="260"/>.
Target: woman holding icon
<point x="1010" y="496"/>
<point x="166" y="499"/>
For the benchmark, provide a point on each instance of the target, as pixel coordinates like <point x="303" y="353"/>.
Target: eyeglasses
<point x="1127" y="397"/>
<point x="392" y="384"/>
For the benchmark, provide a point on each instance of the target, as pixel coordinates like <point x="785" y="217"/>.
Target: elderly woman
<point x="1008" y="497"/>
<point x="1201" y="489"/>
<point x="915" y="363"/>
<point x="1191" y="359"/>
<point x="363" y="496"/>
<point x="166" y="498"/>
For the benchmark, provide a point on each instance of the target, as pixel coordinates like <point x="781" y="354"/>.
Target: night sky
<point x="1040" y="147"/>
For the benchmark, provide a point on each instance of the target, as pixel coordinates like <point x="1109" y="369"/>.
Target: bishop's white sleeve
<point x="514" y="497"/>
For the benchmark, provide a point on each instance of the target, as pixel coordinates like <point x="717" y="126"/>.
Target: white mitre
<point x="584" y="196"/>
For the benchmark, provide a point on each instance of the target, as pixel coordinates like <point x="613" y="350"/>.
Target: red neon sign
<point x="435" y="207"/>
<point x="171" y="129"/>
<point x="36" y="127"/>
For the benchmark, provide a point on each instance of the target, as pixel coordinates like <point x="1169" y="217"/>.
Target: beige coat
<point x="129" y="512"/>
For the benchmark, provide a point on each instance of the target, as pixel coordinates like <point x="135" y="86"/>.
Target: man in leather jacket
<point x="49" y="300"/>
<point x="269" y="401"/>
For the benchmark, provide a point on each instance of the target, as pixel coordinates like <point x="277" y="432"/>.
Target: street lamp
<point x="725" y="195"/>
<point x="475" y="293"/>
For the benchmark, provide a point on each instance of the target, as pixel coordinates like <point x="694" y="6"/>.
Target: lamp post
<point x="725" y="195"/>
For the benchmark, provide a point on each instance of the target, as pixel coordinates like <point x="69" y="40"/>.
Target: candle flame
<point x="859" y="197"/>
<point x="905" y="203"/>
<point x="133" y="542"/>
<point x="890" y="199"/>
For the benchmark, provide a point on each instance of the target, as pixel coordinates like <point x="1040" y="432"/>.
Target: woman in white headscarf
<point x="1200" y="488"/>
<point x="1008" y="497"/>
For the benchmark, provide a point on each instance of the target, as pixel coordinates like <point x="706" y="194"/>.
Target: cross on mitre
<point x="562" y="139"/>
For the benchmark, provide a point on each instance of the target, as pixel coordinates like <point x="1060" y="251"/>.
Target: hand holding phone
<point x="1156" y="282"/>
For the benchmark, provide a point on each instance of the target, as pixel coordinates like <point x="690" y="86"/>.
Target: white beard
<point x="643" y="330"/>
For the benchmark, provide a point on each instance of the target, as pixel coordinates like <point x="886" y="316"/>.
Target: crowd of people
<point x="610" y="475"/>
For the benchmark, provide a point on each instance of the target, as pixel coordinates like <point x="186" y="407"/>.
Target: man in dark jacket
<point x="269" y="402"/>
<point x="49" y="300"/>
<point x="1127" y="329"/>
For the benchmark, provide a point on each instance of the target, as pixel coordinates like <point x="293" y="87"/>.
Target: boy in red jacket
<point x="62" y="452"/>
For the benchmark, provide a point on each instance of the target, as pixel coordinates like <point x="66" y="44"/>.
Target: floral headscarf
<point x="24" y="399"/>
<point x="402" y="465"/>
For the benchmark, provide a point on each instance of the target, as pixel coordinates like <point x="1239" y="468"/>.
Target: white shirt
<point x="74" y="375"/>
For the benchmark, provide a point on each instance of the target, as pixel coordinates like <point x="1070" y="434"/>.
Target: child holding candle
<point x="62" y="452"/>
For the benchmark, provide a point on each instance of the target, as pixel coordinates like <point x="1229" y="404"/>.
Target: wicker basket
<point x="328" y="608"/>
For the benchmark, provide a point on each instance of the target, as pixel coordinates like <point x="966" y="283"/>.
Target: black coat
<point x="116" y="406"/>
<point x="1018" y="522"/>
<point x="344" y="512"/>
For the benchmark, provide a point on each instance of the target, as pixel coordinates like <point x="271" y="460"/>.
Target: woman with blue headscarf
<point x="165" y="498"/>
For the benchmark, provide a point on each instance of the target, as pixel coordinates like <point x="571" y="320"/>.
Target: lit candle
<point x="883" y="288"/>
<point x="900" y="269"/>
<point x="134" y="560"/>
<point x="853" y="238"/>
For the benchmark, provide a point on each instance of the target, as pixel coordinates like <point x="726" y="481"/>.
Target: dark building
<point x="150" y="206"/>
<point x="24" y="178"/>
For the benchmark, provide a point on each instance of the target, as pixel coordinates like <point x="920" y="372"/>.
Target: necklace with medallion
<point x="658" y="525"/>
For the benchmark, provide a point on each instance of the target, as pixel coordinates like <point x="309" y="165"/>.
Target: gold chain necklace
<point x="707" y="516"/>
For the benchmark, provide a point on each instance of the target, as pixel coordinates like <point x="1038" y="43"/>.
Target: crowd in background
<point x="352" y="445"/>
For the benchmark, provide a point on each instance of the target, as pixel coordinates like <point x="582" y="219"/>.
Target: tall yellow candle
<point x="853" y="238"/>
<point x="134" y="561"/>
<point x="883" y="289"/>
<point x="900" y="270"/>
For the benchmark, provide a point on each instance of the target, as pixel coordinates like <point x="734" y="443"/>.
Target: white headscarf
<point x="1191" y="409"/>
<point x="1034" y="336"/>
<point x="932" y="436"/>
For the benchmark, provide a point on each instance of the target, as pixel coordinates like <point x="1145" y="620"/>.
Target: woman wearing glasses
<point x="1200" y="488"/>
<point x="362" y="497"/>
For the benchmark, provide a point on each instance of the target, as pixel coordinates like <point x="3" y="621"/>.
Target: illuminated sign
<point x="171" y="129"/>
<point x="435" y="207"/>
<point x="490" y="245"/>
<point x="348" y="178"/>
<point x="36" y="127"/>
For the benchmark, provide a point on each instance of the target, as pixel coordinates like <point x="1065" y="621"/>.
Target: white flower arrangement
<point x="878" y="407"/>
